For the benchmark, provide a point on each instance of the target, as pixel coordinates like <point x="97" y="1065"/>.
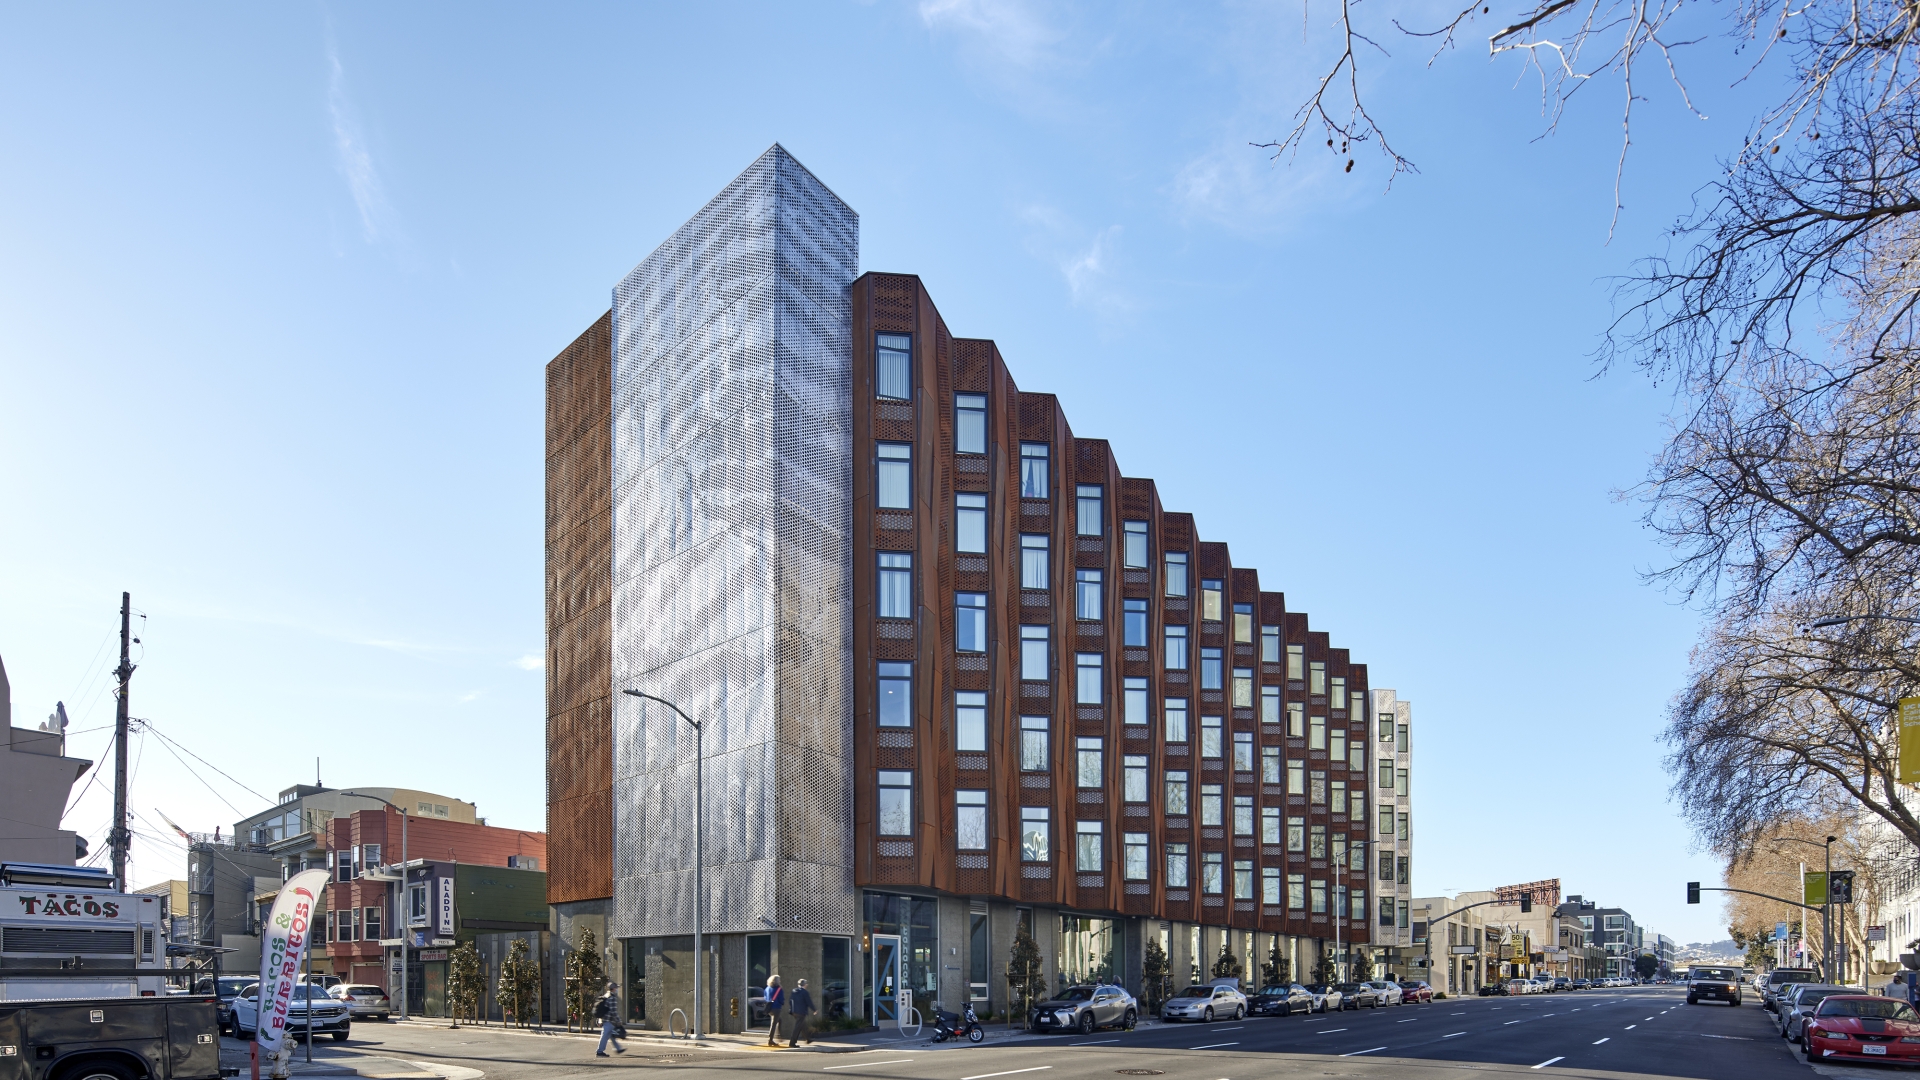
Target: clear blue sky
<point x="277" y="285"/>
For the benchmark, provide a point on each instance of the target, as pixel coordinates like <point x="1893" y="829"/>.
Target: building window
<point x="970" y="523"/>
<point x="1134" y="700"/>
<point x="416" y="904"/>
<point x="1403" y="915"/>
<point x="1297" y="891"/>
<point x="1242" y="688"/>
<point x="1033" y="470"/>
<point x="1176" y="794"/>
<point x="1210" y="591"/>
<point x="1087" y="858"/>
<point x="896" y="802"/>
<point x="1297" y="834"/>
<point x="1317" y="679"/>
<point x="1243" y="815"/>
<point x="1133" y="548"/>
<point x="1210" y="737"/>
<point x="970" y="622"/>
<point x="896" y="694"/>
<point x="1033" y="744"/>
<point x="1243" y="751"/>
<point x="1269" y="644"/>
<point x="1316" y="841"/>
<point x="1359" y="908"/>
<point x="1296" y="720"/>
<point x="1317" y="787"/>
<point x="1270" y="765"/>
<point x="1176" y="720"/>
<point x="1357" y="756"/>
<point x="1296" y="778"/>
<point x="891" y="364"/>
<point x="1087" y="682"/>
<point x="370" y="923"/>
<point x="896" y="585"/>
<point x="1243" y="879"/>
<point x="1400" y="783"/>
<point x="1134" y="856"/>
<point x="894" y="487"/>
<point x="1403" y="826"/>
<point x="1337" y="697"/>
<point x="1176" y="866"/>
<point x="1386" y="911"/>
<point x="1386" y="821"/>
<point x="1087" y="766"/>
<point x="1210" y="673"/>
<point x="1036" y="844"/>
<point x="1357" y="861"/>
<point x="1133" y="778"/>
<point x="1033" y="653"/>
<point x="1086" y="595"/>
<point x="1212" y="805"/>
<point x="1033" y="561"/>
<point x="1270" y="825"/>
<point x="1243" y="624"/>
<point x="970" y="820"/>
<point x="342" y="866"/>
<point x="1270" y="886"/>
<point x="1270" y="705"/>
<point x="1087" y="521"/>
<point x="370" y="855"/>
<point x="1337" y="746"/>
<point x="1386" y="776"/>
<point x="1402" y="739"/>
<point x="1358" y="799"/>
<point x="1212" y="873"/>
<point x="1316" y="733"/>
<point x="1318" y="894"/>
<point x="1176" y="573"/>
<point x="970" y="720"/>
<point x="1386" y="727"/>
<point x="1400" y="869"/>
<point x="970" y="423"/>
<point x="1176" y="648"/>
<point x="1133" y="623"/>
<point x="1386" y="866"/>
<point x="1338" y="805"/>
<point x="1357" y="708"/>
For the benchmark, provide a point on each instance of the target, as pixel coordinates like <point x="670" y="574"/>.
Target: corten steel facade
<point x="958" y="674"/>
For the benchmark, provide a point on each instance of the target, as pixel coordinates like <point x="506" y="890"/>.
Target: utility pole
<point x="117" y="837"/>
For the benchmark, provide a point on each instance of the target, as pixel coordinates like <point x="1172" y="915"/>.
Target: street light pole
<point x="699" y="849"/>
<point x="1826" y="917"/>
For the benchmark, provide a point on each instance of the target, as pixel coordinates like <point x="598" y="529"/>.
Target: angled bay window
<point x="1386" y="822"/>
<point x="1176" y="866"/>
<point x="896" y="585"/>
<point x="1270" y="886"/>
<point x="1088" y="683"/>
<point x="1088" y="500"/>
<point x="969" y="720"/>
<point x="1176" y="648"/>
<point x="1086" y="595"/>
<point x="1133" y="778"/>
<point x="895" y="686"/>
<point x="896" y="803"/>
<point x="1297" y="834"/>
<point x="1034" y="656"/>
<point x="1213" y="810"/>
<point x="1316" y="733"/>
<point x="1243" y="879"/>
<point x="1176" y="793"/>
<point x="893" y="483"/>
<point x="1386" y="728"/>
<point x="1270" y="705"/>
<point x="1357" y="804"/>
<point x="1133" y="549"/>
<point x="1243" y="815"/>
<point x="1357" y="756"/>
<point x="1034" y="752"/>
<point x="1176" y="573"/>
<point x="1317" y="896"/>
<point x="1296" y="720"/>
<point x="1296" y="662"/>
<point x="1210" y="669"/>
<point x="1337" y="746"/>
<point x="1316" y="841"/>
<point x="1176" y="720"/>
<point x="892" y="365"/>
<point x="1243" y="688"/>
<point x="1337" y="805"/>
<point x="1359" y="905"/>
<point x="970" y="820"/>
<point x="1296" y="778"/>
<point x="1317" y="679"/>
<point x="1243" y="624"/>
<point x="1400" y="782"/>
<point x="1033" y="470"/>
<point x="1243" y="751"/>
<point x="1133" y="856"/>
<point x="1133" y="704"/>
<point x="1357" y="707"/>
<point x="1386" y="776"/>
<point x="1270" y="825"/>
<point x="1033" y="561"/>
<point x="1317" y="787"/>
<point x="970" y="622"/>
<point x="1297" y="891"/>
<point x="1337" y="697"/>
<point x="1269" y="644"/>
<point x="1212" y="873"/>
<point x="1133" y="623"/>
<point x="1386" y="911"/>
<point x="970" y="523"/>
<point x="1088" y="857"/>
<point x="1210" y="592"/>
<point x="1270" y="765"/>
<point x="1088" y="770"/>
<point x="969" y="423"/>
<point x="1210" y="741"/>
<point x="1036" y="834"/>
<point x="1357" y="858"/>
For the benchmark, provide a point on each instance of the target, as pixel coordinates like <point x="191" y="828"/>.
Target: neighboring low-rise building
<point x="1458" y="948"/>
<point x="36" y="781"/>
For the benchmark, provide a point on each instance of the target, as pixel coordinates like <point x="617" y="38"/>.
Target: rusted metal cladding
<point x="731" y="563"/>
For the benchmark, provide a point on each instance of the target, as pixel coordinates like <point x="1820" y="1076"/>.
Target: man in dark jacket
<point x="607" y="1011"/>
<point x="800" y="1004"/>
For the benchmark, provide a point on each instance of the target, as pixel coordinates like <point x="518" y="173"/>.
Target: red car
<point x="1859" y="1027"/>
<point x="1411" y="992"/>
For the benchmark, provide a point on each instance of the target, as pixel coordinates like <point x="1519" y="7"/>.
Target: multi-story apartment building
<point x="1612" y="929"/>
<point x="1396" y="928"/>
<point x="958" y="676"/>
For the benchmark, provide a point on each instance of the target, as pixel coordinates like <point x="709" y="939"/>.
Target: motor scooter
<point x="948" y="1025"/>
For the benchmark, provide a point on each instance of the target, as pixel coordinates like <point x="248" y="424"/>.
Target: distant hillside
<point x="1705" y="950"/>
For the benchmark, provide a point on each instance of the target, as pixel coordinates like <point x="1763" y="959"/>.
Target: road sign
<point x="1814" y="891"/>
<point x="1876" y="933"/>
<point x="1909" y="740"/>
<point x="1466" y="950"/>
<point x="1779" y="931"/>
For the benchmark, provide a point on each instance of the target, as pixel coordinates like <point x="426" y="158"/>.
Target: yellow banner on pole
<point x="1910" y="740"/>
<point x="1814" y="889"/>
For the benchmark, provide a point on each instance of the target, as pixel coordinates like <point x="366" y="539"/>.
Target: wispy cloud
<point x="531" y="662"/>
<point x="1087" y="264"/>
<point x="351" y="155"/>
<point x="1008" y="31"/>
<point x="471" y="695"/>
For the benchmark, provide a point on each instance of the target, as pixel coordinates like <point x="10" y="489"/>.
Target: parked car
<point x="1205" y="1003"/>
<point x="1390" y="992"/>
<point x="1778" y="980"/>
<point x="1086" y="1008"/>
<point x="1415" y="991"/>
<point x="1863" y="1027"/>
<point x="329" y="1016"/>
<point x="1493" y="989"/>
<point x="1561" y="982"/>
<point x="1359" y="995"/>
<point x="363" y="1000"/>
<point x="1713" y="984"/>
<point x="1582" y="984"/>
<point x="1517" y="987"/>
<point x="1798" y="1005"/>
<point x="325" y="982"/>
<point x="1326" y="998"/>
<point x="224" y="989"/>
<point x="1542" y="984"/>
<point x="1282" y="1001"/>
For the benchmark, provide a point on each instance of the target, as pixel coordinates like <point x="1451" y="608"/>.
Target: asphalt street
<point x="1629" y="1032"/>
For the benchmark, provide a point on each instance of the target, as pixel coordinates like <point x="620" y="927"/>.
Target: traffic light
<point x="1840" y="887"/>
<point x="1693" y="892"/>
<point x="1526" y="902"/>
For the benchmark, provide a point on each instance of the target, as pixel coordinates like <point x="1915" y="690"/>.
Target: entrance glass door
<point x="886" y="979"/>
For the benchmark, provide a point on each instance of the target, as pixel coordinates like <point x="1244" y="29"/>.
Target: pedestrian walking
<point x="607" y="1011"/>
<point x="774" y="1000"/>
<point x="801" y="1006"/>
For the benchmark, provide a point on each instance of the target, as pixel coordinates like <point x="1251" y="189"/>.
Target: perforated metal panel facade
<point x="731" y="562"/>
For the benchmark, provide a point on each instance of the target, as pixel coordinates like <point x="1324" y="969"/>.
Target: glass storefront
<point x="915" y="919"/>
<point x="1089" y="950"/>
<point x="635" y="989"/>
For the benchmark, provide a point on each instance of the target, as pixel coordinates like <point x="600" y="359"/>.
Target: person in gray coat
<point x="800" y="1004"/>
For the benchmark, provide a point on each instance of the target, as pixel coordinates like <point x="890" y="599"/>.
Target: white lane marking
<point x="1597" y="1042"/>
<point x="1647" y="1018"/>
<point x="864" y="1064"/>
<point x="1736" y="1038"/>
<point x="1509" y="1023"/>
<point x="1630" y="1027"/>
<point x="1357" y="1053"/>
<point x="1548" y="1062"/>
<point x="1460" y="1013"/>
<point x="1209" y="1046"/>
<point x="1330" y="1031"/>
<point x="1408" y="1020"/>
<point x="1095" y="1042"/>
<point x="1242" y="1027"/>
<point x="1451" y="1036"/>
<point x="1036" y="1068"/>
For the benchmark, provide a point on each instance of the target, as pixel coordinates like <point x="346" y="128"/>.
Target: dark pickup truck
<point x="175" y="1037"/>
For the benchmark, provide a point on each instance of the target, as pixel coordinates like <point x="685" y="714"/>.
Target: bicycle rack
<point x="686" y="1026"/>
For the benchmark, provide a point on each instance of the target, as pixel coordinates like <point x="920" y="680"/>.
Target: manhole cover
<point x="1138" y="1072"/>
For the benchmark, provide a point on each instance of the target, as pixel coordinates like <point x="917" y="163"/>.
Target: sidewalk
<point x="824" y="1042"/>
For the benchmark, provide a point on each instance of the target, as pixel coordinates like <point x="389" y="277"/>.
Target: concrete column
<point x="952" y="959"/>
<point x="1179" y="955"/>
